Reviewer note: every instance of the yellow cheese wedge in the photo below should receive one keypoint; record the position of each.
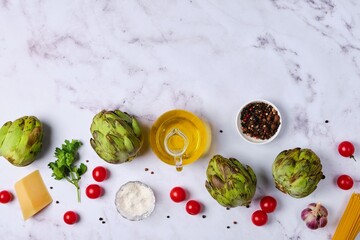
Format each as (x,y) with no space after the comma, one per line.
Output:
(32,194)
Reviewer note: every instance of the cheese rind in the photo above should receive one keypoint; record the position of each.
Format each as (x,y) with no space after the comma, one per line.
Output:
(32,194)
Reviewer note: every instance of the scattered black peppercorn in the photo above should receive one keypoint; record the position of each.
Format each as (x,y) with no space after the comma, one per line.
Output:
(51,187)
(167,216)
(227,227)
(326,121)
(152,172)
(259,120)
(146,169)
(235,222)
(57,202)
(227,208)
(87,161)
(203,216)
(103,222)
(221,131)
(100,219)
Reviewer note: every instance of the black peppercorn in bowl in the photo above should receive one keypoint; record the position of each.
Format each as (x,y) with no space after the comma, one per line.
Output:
(258,121)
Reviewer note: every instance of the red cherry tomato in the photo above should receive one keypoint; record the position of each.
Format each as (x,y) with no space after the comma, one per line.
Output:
(177,194)
(94,191)
(259,218)
(70,217)
(268,204)
(193,207)
(100,174)
(346,149)
(5,196)
(345,182)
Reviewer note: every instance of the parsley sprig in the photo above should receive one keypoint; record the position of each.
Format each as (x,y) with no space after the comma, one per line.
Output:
(64,167)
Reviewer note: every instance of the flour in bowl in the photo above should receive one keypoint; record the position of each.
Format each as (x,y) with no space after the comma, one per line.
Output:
(135,200)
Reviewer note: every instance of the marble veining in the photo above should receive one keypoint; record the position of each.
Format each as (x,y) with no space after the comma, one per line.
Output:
(64,61)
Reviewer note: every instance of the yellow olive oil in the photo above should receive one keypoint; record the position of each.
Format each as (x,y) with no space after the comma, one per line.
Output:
(183,123)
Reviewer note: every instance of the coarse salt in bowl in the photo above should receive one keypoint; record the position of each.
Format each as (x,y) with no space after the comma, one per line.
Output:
(244,117)
(135,201)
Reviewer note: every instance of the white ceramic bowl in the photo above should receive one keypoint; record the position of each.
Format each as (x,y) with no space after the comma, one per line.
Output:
(252,139)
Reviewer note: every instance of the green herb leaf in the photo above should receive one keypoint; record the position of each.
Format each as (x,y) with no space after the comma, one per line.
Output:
(64,166)
(82,169)
(57,173)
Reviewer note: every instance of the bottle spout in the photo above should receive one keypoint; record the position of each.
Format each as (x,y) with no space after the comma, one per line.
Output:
(178,164)
(176,144)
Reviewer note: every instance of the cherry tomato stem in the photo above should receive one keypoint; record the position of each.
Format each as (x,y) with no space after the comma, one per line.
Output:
(347,149)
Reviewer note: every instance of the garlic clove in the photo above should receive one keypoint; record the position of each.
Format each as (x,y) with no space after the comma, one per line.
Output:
(306,214)
(322,222)
(312,225)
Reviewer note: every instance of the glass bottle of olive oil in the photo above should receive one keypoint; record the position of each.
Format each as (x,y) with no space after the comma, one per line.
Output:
(179,137)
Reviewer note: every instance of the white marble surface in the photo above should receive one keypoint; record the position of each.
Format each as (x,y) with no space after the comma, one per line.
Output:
(63,61)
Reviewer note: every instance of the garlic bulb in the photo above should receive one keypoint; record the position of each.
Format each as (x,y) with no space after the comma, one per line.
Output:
(315,216)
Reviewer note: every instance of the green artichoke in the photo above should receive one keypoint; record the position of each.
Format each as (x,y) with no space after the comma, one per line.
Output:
(21,140)
(117,136)
(297,172)
(229,182)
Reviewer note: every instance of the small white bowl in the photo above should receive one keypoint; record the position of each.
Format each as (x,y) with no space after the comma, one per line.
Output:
(252,139)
